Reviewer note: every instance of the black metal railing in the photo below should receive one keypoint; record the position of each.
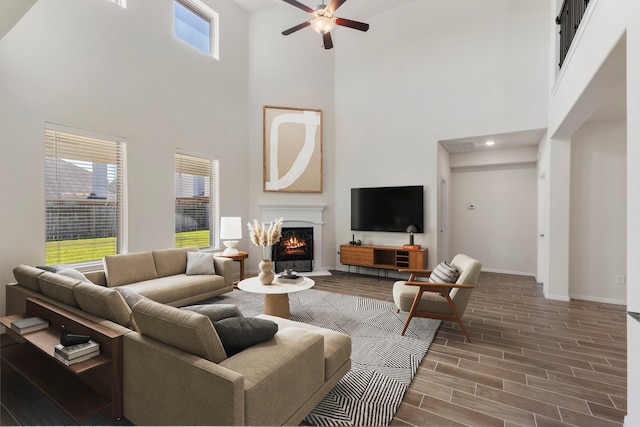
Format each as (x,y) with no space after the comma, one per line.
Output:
(569,21)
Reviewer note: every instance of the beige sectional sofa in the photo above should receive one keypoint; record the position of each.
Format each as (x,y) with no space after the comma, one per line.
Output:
(176,369)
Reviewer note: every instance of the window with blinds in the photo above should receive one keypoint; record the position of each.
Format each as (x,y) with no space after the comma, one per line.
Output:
(85,195)
(196,23)
(195,187)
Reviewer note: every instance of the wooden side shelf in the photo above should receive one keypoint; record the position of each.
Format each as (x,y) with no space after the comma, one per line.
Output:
(80,389)
(384,257)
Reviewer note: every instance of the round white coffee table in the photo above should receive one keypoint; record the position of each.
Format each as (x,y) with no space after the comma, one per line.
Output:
(276,298)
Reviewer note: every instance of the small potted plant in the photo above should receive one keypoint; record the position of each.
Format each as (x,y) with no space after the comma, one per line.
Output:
(264,237)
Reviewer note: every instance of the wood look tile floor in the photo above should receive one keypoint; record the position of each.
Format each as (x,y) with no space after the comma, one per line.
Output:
(532,362)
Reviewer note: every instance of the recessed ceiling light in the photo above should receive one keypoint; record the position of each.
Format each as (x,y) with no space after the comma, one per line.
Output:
(489,143)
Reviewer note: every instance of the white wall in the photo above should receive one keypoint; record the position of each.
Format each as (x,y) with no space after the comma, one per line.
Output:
(418,77)
(92,65)
(501,230)
(291,71)
(598,233)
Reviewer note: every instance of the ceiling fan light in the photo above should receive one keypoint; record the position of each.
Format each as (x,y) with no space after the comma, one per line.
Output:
(322,24)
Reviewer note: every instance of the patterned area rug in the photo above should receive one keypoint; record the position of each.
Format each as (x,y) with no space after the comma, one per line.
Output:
(383,361)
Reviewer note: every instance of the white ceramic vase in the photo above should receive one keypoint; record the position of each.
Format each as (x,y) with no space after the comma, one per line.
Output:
(266,275)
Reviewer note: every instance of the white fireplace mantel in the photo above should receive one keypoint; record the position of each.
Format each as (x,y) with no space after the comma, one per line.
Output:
(300,216)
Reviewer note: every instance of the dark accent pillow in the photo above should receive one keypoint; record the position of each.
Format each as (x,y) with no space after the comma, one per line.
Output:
(444,273)
(238,333)
(50,268)
(215,312)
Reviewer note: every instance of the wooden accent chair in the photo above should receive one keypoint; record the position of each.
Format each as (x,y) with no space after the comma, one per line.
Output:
(444,301)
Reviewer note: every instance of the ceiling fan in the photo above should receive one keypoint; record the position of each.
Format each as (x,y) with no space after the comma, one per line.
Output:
(323,20)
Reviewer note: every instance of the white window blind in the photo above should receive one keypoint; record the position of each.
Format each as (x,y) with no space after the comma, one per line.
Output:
(85,195)
(195,184)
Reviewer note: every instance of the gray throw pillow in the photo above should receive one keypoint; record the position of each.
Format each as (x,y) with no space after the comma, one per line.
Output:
(215,312)
(444,273)
(131,297)
(238,333)
(200,263)
(73,273)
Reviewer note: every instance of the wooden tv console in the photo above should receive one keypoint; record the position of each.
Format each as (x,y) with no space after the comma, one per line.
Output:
(383,257)
(81,389)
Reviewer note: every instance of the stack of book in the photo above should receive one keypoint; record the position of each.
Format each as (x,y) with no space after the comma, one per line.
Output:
(30,324)
(76,353)
(290,279)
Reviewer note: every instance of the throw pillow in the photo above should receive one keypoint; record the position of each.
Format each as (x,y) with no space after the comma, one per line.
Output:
(200,263)
(238,333)
(131,297)
(73,273)
(444,273)
(50,268)
(215,312)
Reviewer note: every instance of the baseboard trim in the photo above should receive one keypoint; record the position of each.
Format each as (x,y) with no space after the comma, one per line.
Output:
(591,298)
(515,273)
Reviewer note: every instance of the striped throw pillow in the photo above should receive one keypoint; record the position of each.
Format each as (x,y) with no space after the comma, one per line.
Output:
(444,273)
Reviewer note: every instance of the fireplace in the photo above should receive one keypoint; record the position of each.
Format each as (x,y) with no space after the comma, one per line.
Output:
(301,216)
(294,250)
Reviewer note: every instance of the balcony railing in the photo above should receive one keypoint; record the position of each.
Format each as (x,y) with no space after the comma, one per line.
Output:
(569,21)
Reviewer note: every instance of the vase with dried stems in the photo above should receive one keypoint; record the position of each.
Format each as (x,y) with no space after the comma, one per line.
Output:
(264,237)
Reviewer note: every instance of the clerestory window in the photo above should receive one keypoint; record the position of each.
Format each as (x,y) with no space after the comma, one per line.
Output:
(196,24)
(85,184)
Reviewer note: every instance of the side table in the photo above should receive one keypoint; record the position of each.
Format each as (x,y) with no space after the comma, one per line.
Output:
(240,257)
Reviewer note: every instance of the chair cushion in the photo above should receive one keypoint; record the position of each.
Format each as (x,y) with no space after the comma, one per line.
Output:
(238,333)
(200,263)
(444,273)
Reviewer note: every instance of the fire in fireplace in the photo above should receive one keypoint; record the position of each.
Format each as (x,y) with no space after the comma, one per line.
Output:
(294,250)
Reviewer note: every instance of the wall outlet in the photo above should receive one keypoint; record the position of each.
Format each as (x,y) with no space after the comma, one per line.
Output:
(620,279)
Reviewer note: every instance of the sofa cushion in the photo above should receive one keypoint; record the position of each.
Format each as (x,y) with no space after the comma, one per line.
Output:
(104,302)
(215,312)
(59,287)
(180,287)
(27,276)
(238,333)
(123,269)
(172,261)
(183,329)
(444,273)
(337,346)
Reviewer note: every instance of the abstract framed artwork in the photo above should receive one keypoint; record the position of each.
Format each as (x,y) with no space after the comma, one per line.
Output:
(292,149)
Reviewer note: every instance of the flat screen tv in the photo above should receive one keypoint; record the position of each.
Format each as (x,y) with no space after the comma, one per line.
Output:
(387,208)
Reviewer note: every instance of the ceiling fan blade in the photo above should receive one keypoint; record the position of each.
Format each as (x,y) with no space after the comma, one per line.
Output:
(296,28)
(299,5)
(352,24)
(334,5)
(326,39)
